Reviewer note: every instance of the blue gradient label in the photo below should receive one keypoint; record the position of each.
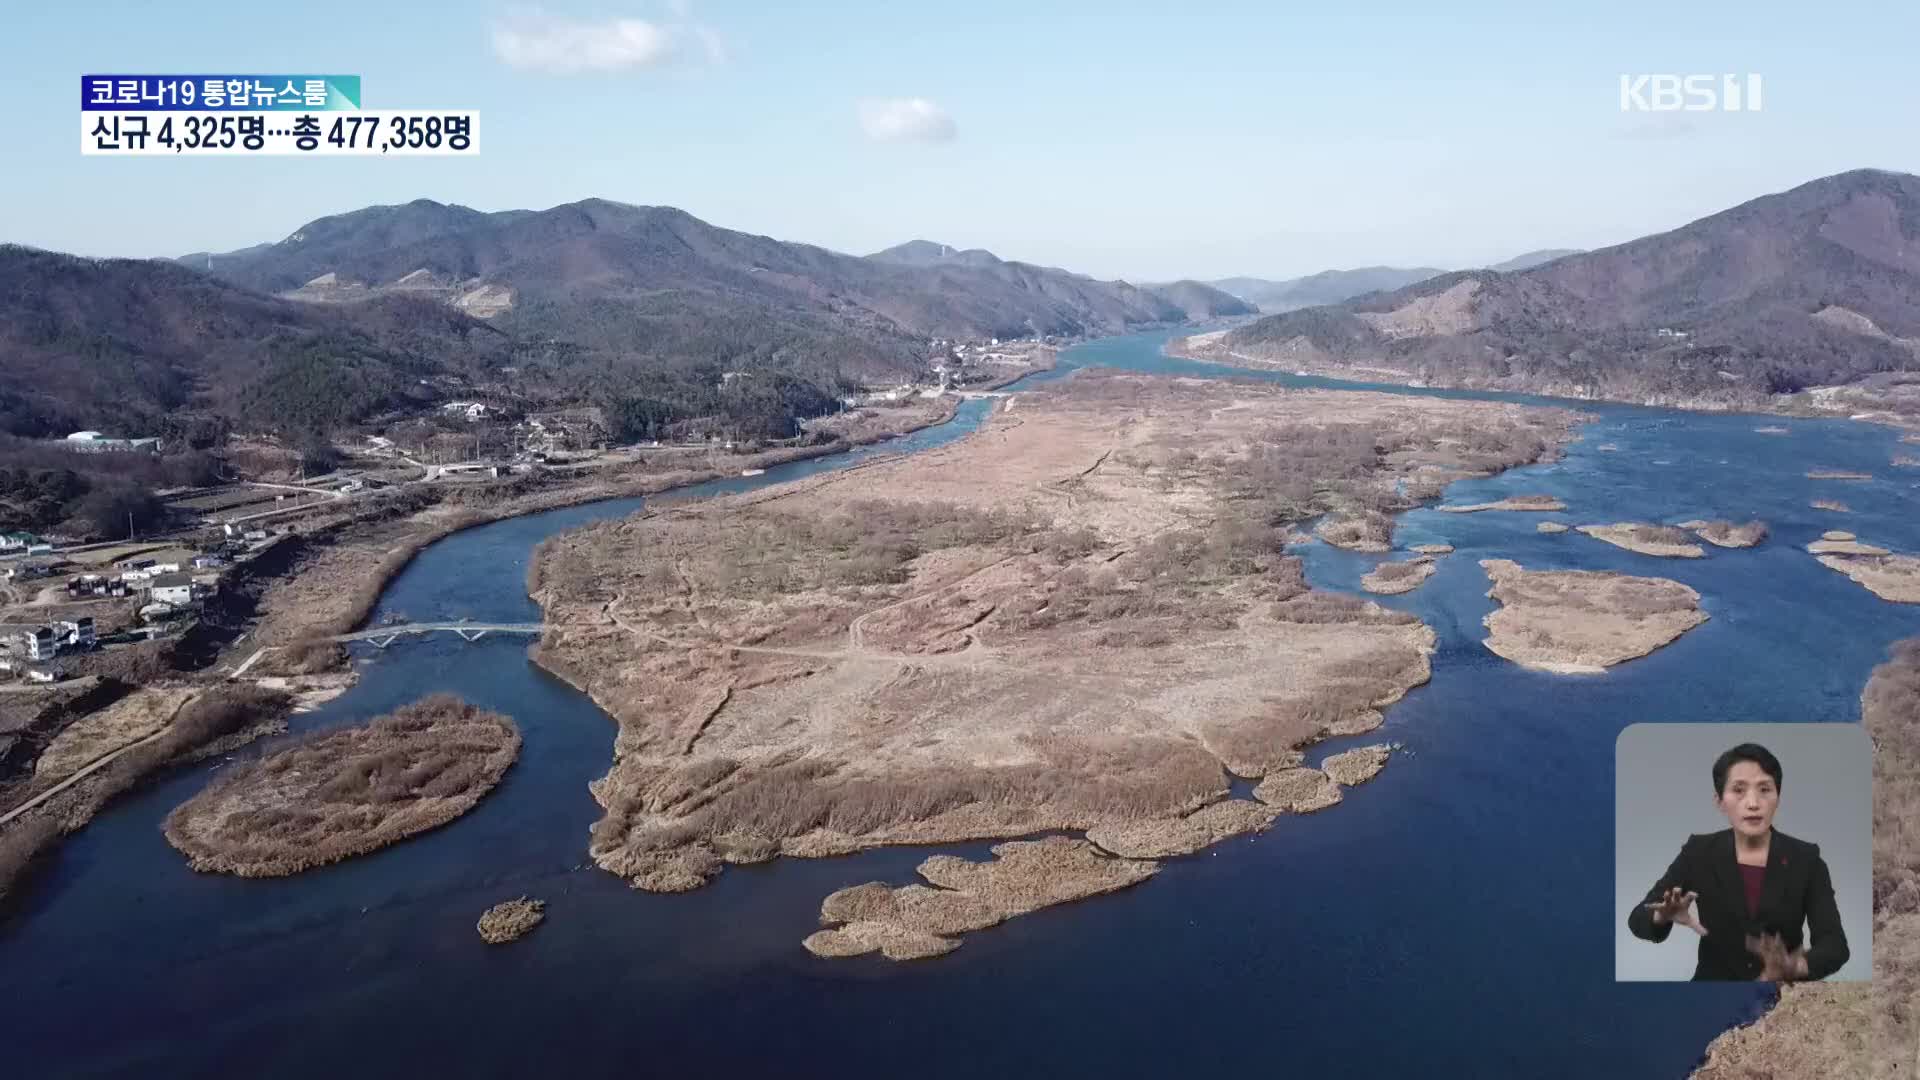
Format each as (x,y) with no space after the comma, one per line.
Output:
(218,93)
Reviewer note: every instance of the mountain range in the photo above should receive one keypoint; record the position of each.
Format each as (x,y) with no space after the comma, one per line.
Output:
(348,317)
(663,279)
(1815,286)
(1333,286)
(380,312)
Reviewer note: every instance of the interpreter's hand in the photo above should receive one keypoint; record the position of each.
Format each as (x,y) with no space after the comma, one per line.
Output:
(1676,907)
(1776,963)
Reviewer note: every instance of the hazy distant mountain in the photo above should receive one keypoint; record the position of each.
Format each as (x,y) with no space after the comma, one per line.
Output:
(928,253)
(1817,285)
(1533,258)
(1193,300)
(1334,286)
(1200,301)
(1326,287)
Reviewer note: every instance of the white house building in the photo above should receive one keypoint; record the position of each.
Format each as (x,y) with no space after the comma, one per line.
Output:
(175,589)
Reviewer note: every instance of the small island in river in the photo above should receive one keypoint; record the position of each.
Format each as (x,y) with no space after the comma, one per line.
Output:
(1726,534)
(1535,503)
(1583,621)
(1662,541)
(1393,578)
(346,792)
(510,920)
(1082,617)
(1887,575)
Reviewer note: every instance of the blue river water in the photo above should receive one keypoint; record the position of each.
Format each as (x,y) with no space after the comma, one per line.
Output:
(1451,918)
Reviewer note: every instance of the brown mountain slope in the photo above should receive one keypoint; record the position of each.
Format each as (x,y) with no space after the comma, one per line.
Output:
(1815,286)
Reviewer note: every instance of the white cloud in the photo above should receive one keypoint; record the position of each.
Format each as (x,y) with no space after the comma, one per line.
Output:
(541,42)
(905,120)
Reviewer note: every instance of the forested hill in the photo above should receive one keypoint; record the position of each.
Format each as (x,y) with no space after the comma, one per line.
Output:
(668,282)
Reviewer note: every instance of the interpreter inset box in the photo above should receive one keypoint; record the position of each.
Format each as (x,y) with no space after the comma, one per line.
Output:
(1743,852)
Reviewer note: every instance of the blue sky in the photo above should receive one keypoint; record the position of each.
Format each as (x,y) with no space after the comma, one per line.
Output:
(1135,140)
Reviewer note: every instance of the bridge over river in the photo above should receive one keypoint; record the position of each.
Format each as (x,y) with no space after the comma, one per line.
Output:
(383,636)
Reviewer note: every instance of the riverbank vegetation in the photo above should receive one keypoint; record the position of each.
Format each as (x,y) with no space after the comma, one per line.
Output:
(346,792)
(67,795)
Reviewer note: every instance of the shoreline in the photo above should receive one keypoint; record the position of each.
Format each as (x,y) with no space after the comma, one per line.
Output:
(1388,376)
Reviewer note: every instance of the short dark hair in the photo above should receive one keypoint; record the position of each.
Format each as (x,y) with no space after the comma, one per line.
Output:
(1746,751)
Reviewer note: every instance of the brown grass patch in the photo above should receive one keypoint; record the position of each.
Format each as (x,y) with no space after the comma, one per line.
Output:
(344,793)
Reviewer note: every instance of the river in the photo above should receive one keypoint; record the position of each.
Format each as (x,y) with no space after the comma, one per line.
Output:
(1451,918)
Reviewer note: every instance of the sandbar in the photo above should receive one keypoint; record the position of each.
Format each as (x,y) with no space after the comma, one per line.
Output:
(1583,621)
(1536,503)
(1887,576)
(1727,534)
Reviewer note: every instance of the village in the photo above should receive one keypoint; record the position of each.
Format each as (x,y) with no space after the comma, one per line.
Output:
(63,604)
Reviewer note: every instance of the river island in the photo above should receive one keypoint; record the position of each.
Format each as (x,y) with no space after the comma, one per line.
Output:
(1083,617)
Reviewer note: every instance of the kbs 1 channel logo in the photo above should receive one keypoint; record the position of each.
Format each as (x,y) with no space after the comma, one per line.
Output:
(1690,93)
(260,114)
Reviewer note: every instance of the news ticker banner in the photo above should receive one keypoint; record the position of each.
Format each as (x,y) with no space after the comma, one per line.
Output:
(259,114)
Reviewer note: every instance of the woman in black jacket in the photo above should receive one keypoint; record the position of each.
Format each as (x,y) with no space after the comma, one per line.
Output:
(1755,887)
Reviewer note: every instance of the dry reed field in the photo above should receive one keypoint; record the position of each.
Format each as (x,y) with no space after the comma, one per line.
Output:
(1817,1031)
(1082,617)
(346,792)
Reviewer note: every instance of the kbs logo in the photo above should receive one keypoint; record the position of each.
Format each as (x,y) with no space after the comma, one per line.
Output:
(1689,93)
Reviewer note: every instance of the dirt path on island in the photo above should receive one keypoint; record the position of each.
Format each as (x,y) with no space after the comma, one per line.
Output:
(80,774)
